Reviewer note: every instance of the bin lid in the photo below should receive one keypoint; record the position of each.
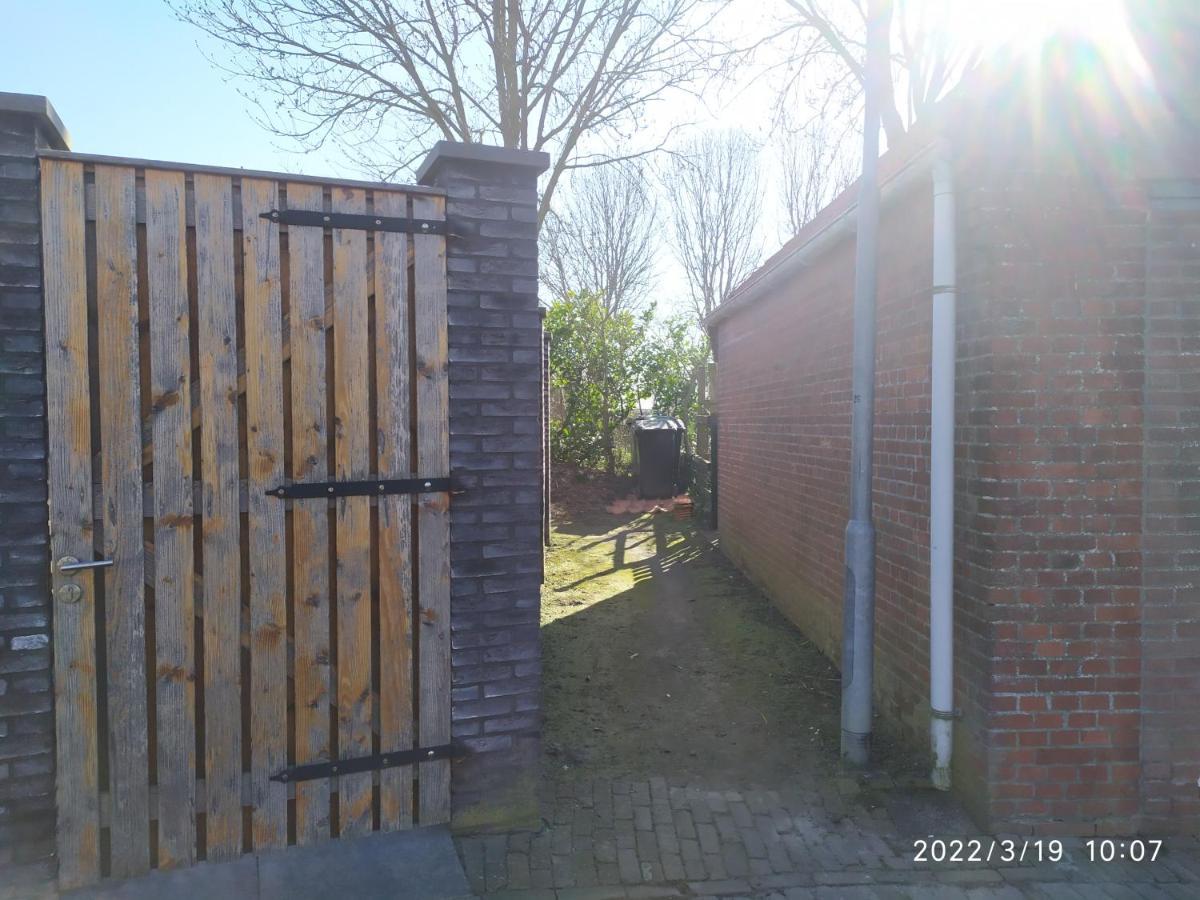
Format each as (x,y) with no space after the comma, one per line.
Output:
(658,423)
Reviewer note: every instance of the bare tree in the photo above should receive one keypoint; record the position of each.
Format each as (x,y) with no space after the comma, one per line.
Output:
(814,168)
(385,77)
(716,204)
(824,45)
(602,238)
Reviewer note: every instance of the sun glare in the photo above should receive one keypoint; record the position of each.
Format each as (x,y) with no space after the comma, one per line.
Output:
(1025,25)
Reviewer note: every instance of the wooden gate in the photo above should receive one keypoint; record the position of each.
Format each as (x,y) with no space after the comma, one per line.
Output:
(247,399)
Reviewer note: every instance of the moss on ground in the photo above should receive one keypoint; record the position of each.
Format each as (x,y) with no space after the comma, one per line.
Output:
(661,657)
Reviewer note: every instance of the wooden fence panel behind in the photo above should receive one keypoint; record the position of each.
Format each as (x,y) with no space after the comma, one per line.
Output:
(174,609)
(219,453)
(261,303)
(205,356)
(310,522)
(352,461)
(121,478)
(394,454)
(68,405)
(433,522)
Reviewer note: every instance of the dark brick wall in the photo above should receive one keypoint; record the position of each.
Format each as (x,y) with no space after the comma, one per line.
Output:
(26,692)
(495,456)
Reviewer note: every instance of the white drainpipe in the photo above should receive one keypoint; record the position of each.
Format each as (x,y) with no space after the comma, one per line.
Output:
(941,477)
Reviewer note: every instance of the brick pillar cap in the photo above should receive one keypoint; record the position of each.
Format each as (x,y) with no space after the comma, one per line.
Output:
(535,162)
(38,107)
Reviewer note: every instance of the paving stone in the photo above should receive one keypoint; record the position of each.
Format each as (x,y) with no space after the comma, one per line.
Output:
(647,845)
(672,867)
(684,826)
(643,820)
(630,868)
(564,875)
(715,865)
(741,814)
(693,869)
(592,893)
(652,892)
(968,876)
(651,836)
(518,870)
(737,863)
(753,842)
(722,888)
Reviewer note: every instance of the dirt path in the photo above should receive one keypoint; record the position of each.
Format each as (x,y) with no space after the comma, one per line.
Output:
(660,657)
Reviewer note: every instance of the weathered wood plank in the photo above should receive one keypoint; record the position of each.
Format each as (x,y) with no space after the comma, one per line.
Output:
(352,460)
(268,554)
(173,511)
(433,515)
(393,440)
(68,405)
(124,595)
(310,522)
(217,335)
(147,426)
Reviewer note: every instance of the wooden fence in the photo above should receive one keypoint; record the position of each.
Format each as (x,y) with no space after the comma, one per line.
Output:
(204,358)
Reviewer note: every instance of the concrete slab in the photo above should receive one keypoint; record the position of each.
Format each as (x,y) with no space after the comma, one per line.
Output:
(413,865)
(409,865)
(236,880)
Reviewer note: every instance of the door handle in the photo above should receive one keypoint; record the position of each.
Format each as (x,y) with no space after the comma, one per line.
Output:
(71,564)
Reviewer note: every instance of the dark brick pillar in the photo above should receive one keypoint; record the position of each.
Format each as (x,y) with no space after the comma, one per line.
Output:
(495,450)
(27,124)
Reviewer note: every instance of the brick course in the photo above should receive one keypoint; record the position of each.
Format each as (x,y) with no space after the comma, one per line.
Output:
(495,344)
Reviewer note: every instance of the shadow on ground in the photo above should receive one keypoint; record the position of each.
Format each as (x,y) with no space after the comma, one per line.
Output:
(660,657)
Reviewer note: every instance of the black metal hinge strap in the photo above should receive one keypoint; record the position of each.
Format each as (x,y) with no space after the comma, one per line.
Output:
(374,487)
(365,763)
(355,221)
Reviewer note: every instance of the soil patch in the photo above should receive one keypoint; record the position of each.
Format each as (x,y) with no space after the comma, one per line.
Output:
(661,657)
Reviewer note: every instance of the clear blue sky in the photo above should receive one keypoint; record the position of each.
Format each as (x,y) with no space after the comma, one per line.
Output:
(127,79)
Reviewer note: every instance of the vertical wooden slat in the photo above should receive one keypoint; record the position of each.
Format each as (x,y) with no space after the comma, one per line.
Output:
(393,438)
(68,406)
(310,523)
(268,584)
(217,335)
(433,519)
(121,455)
(351,458)
(170,404)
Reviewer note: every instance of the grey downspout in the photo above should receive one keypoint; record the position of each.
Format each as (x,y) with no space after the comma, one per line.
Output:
(941,476)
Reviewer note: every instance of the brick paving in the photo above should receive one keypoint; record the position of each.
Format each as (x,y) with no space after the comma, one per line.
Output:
(815,838)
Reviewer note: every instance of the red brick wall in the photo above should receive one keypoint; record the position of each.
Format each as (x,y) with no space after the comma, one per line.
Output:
(1170,761)
(1054,448)
(1066,726)
(783,401)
